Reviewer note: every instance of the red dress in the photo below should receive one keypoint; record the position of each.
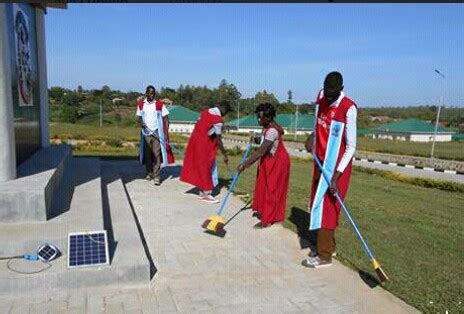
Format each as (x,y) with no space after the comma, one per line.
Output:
(201,153)
(270,196)
(325,116)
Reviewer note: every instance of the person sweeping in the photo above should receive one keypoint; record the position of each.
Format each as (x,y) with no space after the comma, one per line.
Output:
(200,168)
(270,195)
(154,148)
(334,143)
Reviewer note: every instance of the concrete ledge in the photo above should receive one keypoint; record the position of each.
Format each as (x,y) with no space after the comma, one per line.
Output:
(30,197)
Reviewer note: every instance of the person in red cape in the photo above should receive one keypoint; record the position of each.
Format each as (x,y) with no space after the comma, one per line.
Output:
(154,148)
(199,167)
(334,143)
(270,195)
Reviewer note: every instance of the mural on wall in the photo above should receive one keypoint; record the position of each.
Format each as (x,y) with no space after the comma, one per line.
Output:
(23,57)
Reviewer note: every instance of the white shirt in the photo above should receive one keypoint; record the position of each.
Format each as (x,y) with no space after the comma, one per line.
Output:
(217,127)
(149,117)
(350,134)
(272,135)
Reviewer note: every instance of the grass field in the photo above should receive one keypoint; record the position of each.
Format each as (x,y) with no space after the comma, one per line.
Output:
(449,150)
(416,233)
(91,132)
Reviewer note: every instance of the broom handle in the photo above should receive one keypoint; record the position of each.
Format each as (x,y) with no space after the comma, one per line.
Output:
(163,142)
(353,224)
(234,180)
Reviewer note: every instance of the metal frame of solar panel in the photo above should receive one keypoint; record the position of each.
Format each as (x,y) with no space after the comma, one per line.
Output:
(88,249)
(47,252)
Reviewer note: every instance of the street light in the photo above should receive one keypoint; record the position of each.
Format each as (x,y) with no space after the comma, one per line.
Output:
(438,112)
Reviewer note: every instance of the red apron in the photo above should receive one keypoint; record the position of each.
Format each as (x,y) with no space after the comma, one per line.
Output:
(270,196)
(201,153)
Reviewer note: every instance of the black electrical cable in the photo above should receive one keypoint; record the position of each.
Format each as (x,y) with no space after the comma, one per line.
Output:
(25,273)
(11,257)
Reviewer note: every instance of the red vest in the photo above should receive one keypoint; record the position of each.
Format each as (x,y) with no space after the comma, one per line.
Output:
(324,118)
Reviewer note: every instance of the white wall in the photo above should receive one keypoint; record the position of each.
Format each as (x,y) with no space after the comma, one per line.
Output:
(429,138)
(181,127)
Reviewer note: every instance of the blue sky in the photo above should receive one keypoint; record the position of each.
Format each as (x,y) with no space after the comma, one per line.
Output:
(387,53)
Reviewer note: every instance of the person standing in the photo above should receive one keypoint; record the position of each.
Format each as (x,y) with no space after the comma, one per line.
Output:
(334,143)
(271,187)
(154,135)
(200,168)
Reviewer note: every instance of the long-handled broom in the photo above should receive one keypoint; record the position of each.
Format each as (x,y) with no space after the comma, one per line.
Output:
(215,224)
(380,273)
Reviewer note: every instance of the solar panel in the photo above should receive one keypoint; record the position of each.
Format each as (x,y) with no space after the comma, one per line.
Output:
(47,252)
(87,249)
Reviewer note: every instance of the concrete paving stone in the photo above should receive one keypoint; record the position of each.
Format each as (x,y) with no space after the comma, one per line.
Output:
(77,299)
(76,310)
(95,304)
(133,311)
(20,309)
(130,300)
(114,308)
(5,308)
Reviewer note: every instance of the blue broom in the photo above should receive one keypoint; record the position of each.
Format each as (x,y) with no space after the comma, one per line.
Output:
(379,271)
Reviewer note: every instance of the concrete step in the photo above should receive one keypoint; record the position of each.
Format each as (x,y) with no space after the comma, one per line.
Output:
(80,201)
(99,202)
(29,198)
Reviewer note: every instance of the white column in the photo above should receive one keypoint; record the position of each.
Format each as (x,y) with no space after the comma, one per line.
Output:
(42,75)
(7,138)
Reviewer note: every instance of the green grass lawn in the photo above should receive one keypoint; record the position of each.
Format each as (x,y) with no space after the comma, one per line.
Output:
(448,150)
(416,233)
(92,132)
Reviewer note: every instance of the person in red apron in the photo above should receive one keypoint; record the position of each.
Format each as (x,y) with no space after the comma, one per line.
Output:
(154,147)
(271,187)
(200,167)
(334,143)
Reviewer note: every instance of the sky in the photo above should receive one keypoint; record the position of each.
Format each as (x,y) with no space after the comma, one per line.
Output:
(387,53)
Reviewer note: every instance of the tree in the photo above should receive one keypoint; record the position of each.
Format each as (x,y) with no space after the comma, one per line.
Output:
(106,89)
(290,97)
(80,89)
(264,96)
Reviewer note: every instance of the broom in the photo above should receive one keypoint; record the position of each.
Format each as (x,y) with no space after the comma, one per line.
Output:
(215,224)
(379,271)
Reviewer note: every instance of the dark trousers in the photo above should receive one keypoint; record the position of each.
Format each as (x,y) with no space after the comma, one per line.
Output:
(153,156)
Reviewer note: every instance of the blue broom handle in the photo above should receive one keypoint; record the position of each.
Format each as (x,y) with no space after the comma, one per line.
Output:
(161,140)
(353,224)
(234,180)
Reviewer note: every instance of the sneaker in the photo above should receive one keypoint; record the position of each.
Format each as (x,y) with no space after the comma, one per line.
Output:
(209,199)
(315,263)
(156,181)
(313,254)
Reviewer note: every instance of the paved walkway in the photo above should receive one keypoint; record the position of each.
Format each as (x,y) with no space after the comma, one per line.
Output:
(248,271)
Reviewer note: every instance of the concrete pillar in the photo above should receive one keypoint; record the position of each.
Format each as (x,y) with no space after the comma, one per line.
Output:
(7,137)
(42,75)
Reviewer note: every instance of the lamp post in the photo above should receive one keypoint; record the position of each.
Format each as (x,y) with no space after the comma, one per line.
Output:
(438,112)
(238,116)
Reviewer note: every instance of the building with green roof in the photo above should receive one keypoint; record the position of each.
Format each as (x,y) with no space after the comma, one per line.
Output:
(412,130)
(181,119)
(304,123)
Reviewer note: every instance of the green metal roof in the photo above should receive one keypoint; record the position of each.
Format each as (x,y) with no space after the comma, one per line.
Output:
(181,114)
(411,126)
(287,120)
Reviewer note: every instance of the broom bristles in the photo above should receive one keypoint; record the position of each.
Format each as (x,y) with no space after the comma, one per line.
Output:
(205,224)
(382,275)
